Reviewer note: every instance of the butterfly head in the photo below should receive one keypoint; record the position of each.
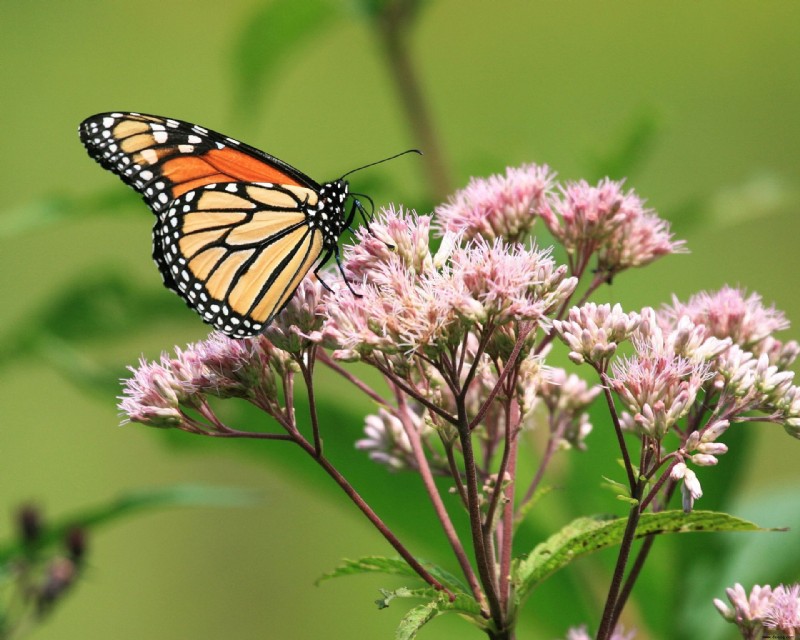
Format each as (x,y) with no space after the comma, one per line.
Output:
(330,215)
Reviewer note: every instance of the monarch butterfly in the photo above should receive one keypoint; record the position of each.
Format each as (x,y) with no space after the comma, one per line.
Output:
(237,229)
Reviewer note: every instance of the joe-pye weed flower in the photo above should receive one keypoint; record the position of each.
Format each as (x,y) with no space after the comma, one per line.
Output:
(466,341)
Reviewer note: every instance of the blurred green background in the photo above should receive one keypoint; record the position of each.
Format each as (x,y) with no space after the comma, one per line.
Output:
(696,103)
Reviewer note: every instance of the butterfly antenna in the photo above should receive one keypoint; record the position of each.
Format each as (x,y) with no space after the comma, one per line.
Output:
(372,164)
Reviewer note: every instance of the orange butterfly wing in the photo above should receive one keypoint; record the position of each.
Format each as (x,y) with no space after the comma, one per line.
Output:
(237,229)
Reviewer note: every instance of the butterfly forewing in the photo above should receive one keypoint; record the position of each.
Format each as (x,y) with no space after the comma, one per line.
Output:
(237,229)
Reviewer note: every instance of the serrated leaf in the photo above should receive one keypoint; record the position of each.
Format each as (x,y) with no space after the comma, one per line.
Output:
(394,567)
(369,564)
(93,517)
(585,535)
(402,592)
(416,618)
(270,37)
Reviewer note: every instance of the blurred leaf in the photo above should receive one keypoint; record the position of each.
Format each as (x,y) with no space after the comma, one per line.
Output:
(53,210)
(585,535)
(623,157)
(90,519)
(761,195)
(104,304)
(393,567)
(274,33)
(541,491)
(372,9)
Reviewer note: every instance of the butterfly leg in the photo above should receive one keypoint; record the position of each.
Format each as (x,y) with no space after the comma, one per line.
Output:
(368,219)
(325,258)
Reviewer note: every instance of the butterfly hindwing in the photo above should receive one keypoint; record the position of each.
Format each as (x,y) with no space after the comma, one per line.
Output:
(237,251)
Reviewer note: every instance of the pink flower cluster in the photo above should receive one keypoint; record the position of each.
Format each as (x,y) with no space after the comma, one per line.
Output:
(764,612)
(501,206)
(603,220)
(171,392)
(409,300)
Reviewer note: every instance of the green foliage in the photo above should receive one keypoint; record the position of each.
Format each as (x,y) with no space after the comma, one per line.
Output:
(392,567)
(103,305)
(127,504)
(44,561)
(630,150)
(585,535)
(55,210)
(271,35)
(438,602)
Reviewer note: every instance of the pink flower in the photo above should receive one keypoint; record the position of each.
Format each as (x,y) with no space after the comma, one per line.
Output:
(606,221)
(584,215)
(501,206)
(498,282)
(658,390)
(764,612)
(784,611)
(387,442)
(729,313)
(153,395)
(158,392)
(397,237)
(298,325)
(592,332)
(746,609)
(690,489)
(567,397)
(643,238)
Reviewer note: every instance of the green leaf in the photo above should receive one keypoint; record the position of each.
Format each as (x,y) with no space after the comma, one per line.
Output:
(104,304)
(419,616)
(271,36)
(585,535)
(632,148)
(415,619)
(402,592)
(393,567)
(91,518)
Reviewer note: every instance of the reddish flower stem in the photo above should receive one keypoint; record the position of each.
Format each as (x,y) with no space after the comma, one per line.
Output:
(373,517)
(507,538)
(618,429)
(360,384)
(524,329)
(441,512)
(473,504)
